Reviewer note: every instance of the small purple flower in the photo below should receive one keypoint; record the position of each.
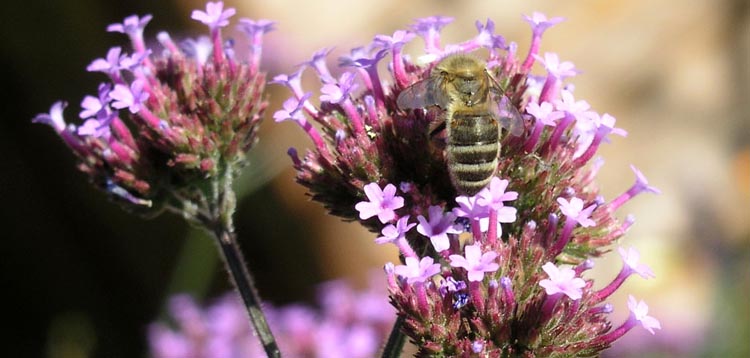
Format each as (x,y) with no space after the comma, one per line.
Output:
(450,285)
(200,49)
(254,27)
(96,106)
(110,64)
(438,227)
(468,207)
(293,81)
(292,109)
(560,70)
(574,210)
(477,346)
(336,93)
(393,233)
(494,196)
(562,281)
(417,270)
(544,113)
(398,40)
(381,203)
(539,22)
(54,118)
(215,16)
(631,258)
(640,185)
(132,25)
(129,97)
(486,37)
(369,62)
(475,262)
(429,29)
(639,310)
(567,103)
(95,128)
(318,63)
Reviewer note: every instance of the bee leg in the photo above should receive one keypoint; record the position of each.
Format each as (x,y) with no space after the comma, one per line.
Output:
(438,135)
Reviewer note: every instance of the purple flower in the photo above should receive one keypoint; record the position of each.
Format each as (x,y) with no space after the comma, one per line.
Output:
(562,281)
(292,109)
(398,40)
(640,185)
(370,62)
(486,37)
(450,285)
(475,262)
(96,106)
(560,70)
(417,270)
(215,16)
(631,258)
(95,128)
(574,210)
(129,97)
(393,233)
(199,49)
(381,203)
(468,207)
(567,103)
(494,195)
(254,27)
(438,227)
(54,118)
(132,25)
(318,63)
(429,29)
(539,22)
(336,93)
(544,113)
(293,81)
(109,65)
(639,310)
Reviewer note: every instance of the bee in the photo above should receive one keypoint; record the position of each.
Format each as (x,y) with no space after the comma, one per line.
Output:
(462,87)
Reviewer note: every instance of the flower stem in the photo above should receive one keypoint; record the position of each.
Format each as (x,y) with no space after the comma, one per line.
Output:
(221,226)
(396,340)
(245,285)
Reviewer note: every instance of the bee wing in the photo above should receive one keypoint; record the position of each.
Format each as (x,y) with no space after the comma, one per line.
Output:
(422,94)
(509,116)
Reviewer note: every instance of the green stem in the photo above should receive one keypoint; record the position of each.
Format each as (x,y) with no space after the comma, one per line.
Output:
(396,340)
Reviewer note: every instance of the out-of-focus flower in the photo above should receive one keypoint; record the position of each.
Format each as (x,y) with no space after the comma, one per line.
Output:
(348,323)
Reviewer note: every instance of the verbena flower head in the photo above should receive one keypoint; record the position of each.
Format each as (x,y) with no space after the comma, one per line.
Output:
(168,119)
(543,207)
(348,323)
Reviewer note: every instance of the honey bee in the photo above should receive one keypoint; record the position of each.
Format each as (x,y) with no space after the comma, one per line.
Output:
(462,86)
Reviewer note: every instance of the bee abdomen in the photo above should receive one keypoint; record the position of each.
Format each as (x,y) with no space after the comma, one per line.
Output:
(472,151)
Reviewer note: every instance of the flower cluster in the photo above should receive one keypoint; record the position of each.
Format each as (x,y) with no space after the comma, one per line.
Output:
(483,274)
(169,119)
(349,324)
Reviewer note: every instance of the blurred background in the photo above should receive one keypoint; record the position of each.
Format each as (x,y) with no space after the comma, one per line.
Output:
(82,278)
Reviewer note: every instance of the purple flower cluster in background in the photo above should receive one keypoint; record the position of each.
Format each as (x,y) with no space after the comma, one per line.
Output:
(168,117)
(348,324)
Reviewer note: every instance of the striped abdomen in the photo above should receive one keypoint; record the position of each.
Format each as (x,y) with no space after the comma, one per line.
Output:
(472,148)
